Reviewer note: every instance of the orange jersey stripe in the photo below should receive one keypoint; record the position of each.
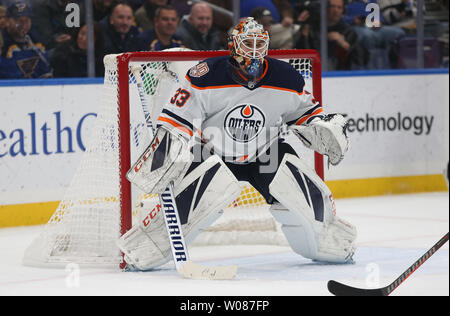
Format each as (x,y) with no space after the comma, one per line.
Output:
(303,119)
(213,87)
(282,89)
(177,125)
(230,85)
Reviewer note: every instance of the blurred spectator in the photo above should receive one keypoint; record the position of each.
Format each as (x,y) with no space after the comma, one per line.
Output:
(3,24)
(377,37)
(263,16)
(248,5)
(119,33)
(49,21)
(222,21)
(281,37)
(163,35)
(196,30)
(22,56)
(135,4)
(344,49)
(146,13)
(183,7)
(286,12)
(281,10)
(101,8)
(70,58)
(396,11)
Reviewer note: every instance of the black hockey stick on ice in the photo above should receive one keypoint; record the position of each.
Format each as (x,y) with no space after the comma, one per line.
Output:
(183,264)
(340,289)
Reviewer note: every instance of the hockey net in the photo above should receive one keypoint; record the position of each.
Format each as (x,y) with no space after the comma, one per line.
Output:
(100,204)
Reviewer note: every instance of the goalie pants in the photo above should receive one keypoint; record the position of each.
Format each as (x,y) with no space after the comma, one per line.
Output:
(259,173)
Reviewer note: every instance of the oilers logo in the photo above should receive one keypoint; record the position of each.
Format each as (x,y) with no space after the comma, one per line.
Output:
(244,122)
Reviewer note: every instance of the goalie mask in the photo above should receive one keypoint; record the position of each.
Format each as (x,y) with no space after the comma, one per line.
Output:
(248,44)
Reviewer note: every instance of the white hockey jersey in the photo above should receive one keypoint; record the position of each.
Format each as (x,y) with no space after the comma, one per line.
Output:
(236,121)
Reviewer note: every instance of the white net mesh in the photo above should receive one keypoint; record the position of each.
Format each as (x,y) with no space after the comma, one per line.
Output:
(88,220)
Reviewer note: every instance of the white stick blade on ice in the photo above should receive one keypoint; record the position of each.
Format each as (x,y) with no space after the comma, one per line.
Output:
(192,270)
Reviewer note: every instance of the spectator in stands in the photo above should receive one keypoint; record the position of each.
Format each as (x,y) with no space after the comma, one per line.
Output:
(49,21)
(307,15)
(221,21)
(119,33)
(23,55)
(286,12)
(146,13)
(183,7)
(247,6)
(162,36)
(135,4)
(196,30)
(374,37)
(396,11)
(263,16)
(281,37)
(70,58)
(281,10)
(101,8)
(344,50)
(222,15)
(3,24)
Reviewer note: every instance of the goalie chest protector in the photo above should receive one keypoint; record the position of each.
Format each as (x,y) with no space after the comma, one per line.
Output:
(237,121)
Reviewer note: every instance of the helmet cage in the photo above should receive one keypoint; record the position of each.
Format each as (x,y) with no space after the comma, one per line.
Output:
(252,46)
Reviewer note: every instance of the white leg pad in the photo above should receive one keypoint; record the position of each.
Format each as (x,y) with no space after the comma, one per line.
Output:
(147,246)
(307,214)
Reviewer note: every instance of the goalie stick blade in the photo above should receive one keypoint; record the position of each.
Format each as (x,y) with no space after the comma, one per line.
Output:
(192,270)
(340,289)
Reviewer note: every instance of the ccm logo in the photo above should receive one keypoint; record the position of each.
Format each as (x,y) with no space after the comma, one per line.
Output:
(333,205)
(147,154)
(151,215)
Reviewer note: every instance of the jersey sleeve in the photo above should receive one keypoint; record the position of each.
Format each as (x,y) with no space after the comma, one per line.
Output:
(183,111)
(302,107)
(308,109)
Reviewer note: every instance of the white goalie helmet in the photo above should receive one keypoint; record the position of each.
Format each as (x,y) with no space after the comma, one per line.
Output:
(249,44)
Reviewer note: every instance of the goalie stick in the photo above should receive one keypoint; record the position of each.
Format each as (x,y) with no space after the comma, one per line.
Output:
(183,264)
(340,289)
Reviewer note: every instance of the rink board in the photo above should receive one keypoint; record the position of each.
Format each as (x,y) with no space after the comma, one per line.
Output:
(398,132)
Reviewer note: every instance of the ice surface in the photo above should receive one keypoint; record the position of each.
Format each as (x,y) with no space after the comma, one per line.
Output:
(393,232)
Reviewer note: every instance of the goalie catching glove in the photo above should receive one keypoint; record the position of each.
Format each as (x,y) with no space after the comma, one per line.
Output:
(327,136)
(166,160)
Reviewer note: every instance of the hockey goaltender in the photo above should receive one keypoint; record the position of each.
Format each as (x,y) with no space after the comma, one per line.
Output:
(227,122)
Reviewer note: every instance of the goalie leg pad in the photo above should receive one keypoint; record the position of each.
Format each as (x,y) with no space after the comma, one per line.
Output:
(200,196)
(306,212)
